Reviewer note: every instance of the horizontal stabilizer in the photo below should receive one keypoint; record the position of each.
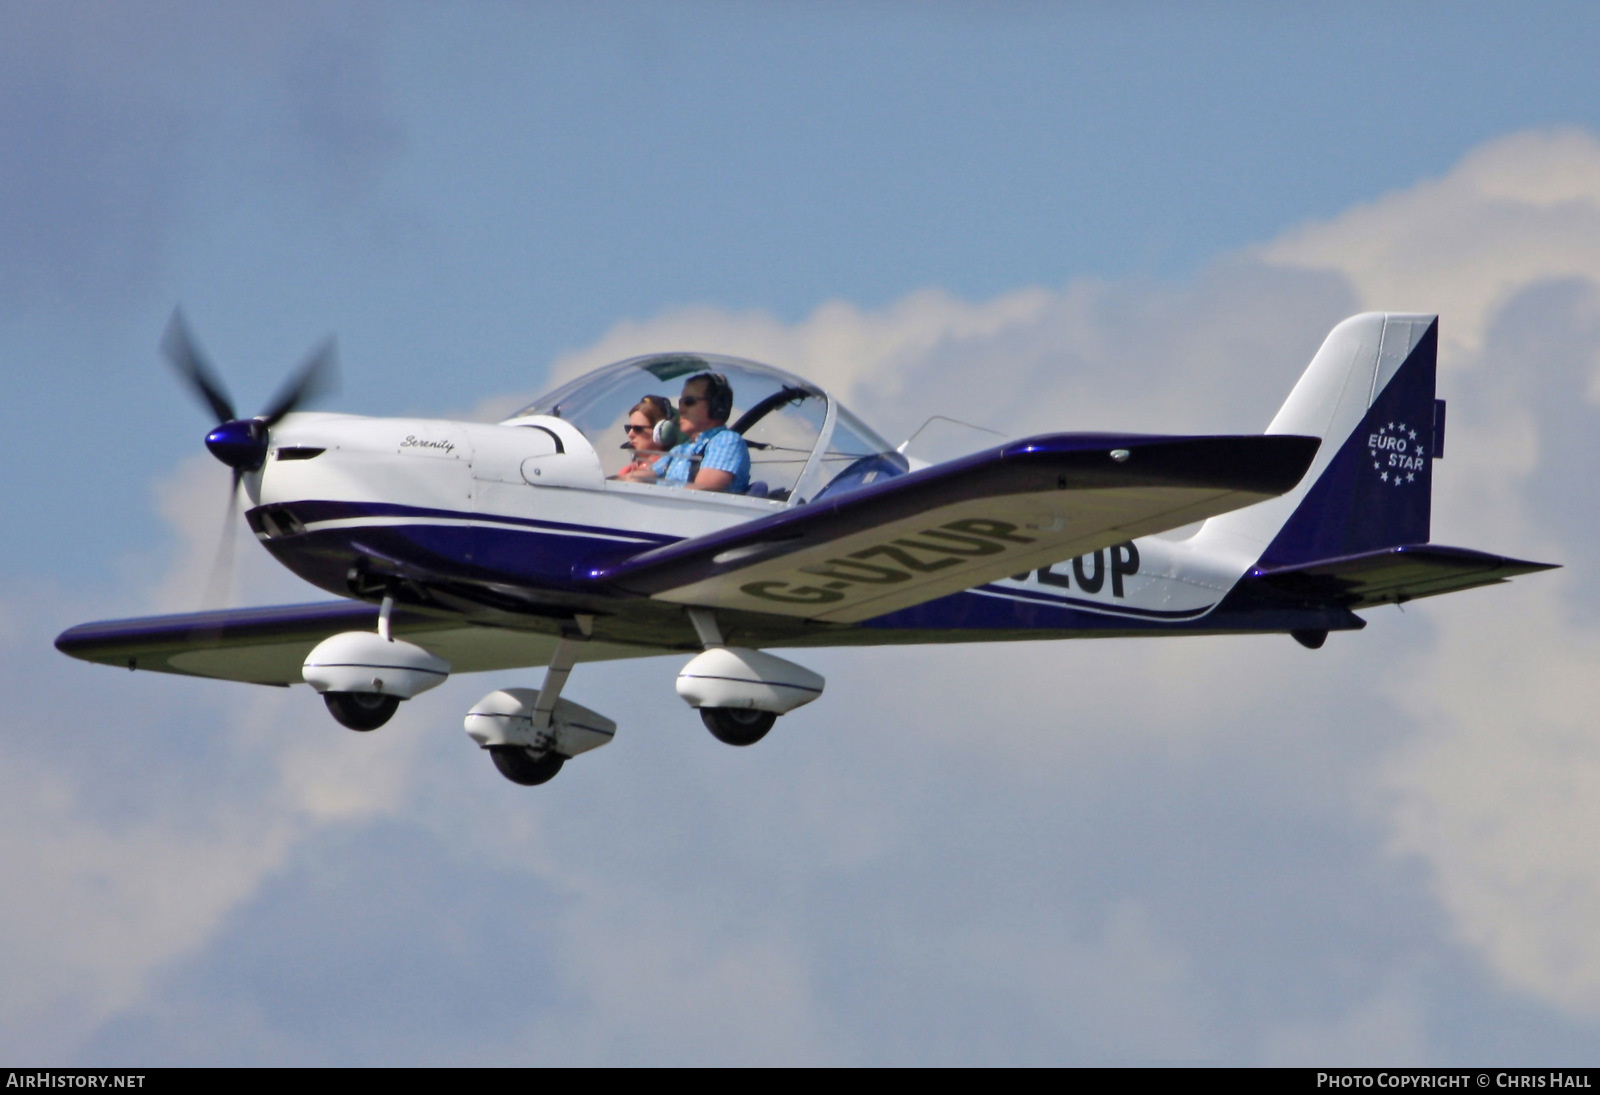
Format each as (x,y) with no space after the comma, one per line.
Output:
(1393,575)
(953,526)
(268,645)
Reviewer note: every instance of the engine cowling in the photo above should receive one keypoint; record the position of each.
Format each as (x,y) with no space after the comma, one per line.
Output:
(361,661)
(505,717)
(745,679)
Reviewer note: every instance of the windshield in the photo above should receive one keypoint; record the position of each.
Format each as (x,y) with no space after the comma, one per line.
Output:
(781,417)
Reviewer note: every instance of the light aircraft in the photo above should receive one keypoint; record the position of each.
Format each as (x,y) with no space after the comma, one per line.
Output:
(463,547)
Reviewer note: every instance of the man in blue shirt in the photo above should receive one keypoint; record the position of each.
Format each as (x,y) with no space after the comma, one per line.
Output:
(714,457)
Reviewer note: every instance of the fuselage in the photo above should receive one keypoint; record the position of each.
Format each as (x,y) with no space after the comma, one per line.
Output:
(494,521)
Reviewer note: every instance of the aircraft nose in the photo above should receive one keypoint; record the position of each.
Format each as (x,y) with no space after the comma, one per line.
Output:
(240,444)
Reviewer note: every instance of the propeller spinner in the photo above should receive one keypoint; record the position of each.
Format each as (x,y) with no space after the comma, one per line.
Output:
(241,443)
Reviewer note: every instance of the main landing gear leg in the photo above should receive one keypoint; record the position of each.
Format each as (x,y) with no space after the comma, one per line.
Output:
(705,626)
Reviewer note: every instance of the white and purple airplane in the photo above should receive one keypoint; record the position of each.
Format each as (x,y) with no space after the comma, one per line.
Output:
(461,547)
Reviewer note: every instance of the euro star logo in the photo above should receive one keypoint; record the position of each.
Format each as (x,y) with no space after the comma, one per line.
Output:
(1397,453)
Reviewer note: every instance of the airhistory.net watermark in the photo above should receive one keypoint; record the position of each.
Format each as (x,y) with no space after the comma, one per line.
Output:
(50,1079)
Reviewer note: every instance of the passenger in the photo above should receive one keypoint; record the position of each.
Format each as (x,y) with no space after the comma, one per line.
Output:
(713,457)
(652,429)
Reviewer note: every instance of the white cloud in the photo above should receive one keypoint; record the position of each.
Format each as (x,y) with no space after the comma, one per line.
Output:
(1497,793)
(123,854)
(1221,352)
(1500,793)
(92,910)
(1518,210)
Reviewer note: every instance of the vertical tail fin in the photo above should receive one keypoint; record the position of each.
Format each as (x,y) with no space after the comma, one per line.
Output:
(1369,394)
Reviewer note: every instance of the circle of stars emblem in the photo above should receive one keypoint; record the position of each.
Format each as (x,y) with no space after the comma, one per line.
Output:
(1381,447)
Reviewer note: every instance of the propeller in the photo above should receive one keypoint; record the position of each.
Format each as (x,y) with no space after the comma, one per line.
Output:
(241,443)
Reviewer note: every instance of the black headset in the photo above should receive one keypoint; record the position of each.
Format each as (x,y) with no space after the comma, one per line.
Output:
(719,394)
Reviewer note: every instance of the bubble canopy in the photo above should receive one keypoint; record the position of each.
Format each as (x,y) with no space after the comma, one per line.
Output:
(803,442)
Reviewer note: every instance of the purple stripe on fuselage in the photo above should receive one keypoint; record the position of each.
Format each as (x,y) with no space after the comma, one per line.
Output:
(535,560)
(316,511)
(449,544)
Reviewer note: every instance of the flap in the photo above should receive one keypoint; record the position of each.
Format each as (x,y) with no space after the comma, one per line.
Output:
(957,525)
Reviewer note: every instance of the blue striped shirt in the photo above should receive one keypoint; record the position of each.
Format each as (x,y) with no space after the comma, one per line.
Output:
(718,448)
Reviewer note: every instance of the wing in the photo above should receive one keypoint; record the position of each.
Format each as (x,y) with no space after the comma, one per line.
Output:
(960,524)
(268,645)
(1394,575)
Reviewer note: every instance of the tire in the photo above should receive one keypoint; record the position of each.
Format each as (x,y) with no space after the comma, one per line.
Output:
(361,711)
(517,766)
(737,725)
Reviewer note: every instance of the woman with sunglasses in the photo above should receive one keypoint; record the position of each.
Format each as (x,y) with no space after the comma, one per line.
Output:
(645,435)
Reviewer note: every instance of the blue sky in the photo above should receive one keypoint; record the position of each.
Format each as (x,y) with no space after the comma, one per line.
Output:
(1032,215)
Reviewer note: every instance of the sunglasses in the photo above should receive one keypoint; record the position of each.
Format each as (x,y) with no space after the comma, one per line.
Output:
(690,400)
(631,430)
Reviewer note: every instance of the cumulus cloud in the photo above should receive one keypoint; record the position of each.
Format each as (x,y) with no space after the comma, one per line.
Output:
(1145,850)
(1088,356)
(123,858)
(1496,793)
(138,814)
(1521,209)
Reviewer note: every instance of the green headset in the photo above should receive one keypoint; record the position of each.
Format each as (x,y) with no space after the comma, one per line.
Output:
(666,433)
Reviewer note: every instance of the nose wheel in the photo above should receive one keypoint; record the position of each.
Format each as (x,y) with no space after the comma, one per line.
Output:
(737,726)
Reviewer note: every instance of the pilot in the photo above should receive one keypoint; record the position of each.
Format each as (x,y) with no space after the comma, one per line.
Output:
(652,429)
(713,457)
